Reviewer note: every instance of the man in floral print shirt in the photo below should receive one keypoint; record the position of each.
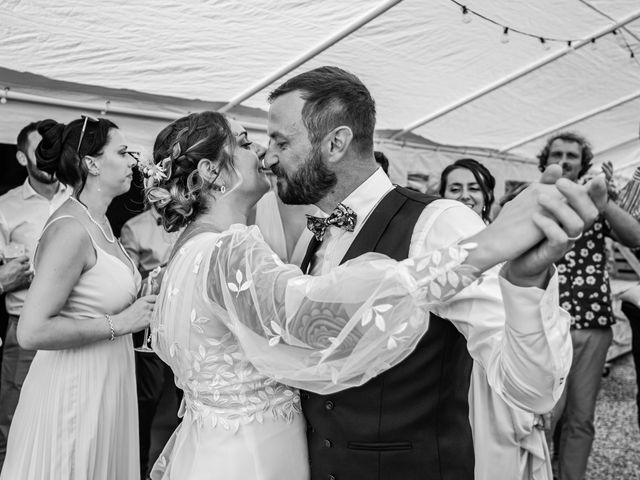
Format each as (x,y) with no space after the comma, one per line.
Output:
(586,295)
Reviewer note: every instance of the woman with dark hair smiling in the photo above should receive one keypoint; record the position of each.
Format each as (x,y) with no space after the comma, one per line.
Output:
(471,183)
(77,416)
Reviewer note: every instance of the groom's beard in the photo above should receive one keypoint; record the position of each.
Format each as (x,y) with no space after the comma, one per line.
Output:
(38,175)
(309,184)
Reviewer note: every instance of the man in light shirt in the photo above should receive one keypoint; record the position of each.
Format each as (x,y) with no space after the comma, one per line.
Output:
(413,421)
(149,246)
(23,213)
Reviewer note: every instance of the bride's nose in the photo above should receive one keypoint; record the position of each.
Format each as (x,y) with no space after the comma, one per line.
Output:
(259,149)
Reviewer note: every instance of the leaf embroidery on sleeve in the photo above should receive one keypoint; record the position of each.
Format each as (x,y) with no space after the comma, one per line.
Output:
(273,341)
(376,314)
(240,286)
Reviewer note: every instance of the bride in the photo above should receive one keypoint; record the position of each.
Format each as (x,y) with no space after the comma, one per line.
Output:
(242,331)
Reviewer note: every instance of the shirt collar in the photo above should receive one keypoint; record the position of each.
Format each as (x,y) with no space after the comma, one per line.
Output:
(367,196)
(28,191)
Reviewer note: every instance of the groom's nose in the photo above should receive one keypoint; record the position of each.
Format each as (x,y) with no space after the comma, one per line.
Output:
(270,158)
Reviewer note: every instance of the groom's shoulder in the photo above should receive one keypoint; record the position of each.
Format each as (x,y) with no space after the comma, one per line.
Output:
(416,196)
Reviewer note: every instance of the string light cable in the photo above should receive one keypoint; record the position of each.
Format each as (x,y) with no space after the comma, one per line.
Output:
(545,42)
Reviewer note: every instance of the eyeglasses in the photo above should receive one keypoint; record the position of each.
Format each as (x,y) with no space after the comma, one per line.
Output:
(135,155)
(84,126)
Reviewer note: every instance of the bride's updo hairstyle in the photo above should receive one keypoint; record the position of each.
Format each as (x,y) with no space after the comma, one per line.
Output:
(183,194)
(60,151)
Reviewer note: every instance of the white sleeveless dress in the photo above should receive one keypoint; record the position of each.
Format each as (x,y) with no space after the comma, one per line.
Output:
(77,415)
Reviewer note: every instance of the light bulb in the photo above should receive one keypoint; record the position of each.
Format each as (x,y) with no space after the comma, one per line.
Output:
(545,45)
(620,40)
(105,110)
(466,16)
(505,35)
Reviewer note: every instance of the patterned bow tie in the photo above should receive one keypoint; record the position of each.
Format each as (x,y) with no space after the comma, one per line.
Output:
(342,217)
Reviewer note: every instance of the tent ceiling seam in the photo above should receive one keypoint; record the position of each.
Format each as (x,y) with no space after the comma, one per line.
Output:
(311,53)
(514,76)
(579,118)
(616,145)
(609,17)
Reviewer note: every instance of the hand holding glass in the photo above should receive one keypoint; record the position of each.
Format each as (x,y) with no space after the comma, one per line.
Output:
(149,287)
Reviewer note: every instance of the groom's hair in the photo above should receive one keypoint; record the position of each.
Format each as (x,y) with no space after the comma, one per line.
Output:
(334,97)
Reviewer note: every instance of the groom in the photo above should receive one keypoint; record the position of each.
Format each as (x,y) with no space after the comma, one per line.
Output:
(411,422)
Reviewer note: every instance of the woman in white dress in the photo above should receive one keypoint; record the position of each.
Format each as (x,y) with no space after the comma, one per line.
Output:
(77,415)
(233,321)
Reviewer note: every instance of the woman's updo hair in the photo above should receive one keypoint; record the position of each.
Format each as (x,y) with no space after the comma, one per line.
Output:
(178,149)
(58,152)
(486,182)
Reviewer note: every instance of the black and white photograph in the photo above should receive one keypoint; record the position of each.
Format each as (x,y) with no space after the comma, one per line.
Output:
(330,240)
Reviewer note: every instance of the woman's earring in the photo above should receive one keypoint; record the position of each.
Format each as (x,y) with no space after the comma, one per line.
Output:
(219,188)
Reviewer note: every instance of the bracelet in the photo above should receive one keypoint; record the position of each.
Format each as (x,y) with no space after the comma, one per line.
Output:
(113,332)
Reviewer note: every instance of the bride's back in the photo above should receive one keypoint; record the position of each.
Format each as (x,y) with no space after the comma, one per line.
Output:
(221,386)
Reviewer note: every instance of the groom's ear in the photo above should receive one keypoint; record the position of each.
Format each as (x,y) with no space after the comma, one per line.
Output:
(338,142)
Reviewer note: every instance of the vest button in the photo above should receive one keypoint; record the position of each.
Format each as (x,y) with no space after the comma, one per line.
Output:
(329,405)
(327,443)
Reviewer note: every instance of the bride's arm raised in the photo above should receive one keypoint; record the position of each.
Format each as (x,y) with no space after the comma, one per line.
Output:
(335,331)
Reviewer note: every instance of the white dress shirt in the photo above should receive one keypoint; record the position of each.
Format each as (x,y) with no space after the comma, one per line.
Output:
(518,337)
(23,214)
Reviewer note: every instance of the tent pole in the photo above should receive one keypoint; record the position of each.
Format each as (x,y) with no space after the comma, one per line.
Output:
(573,120)
(462,151)
(600,12)
(321,47)
(617,145)
(514,76)
(12,95)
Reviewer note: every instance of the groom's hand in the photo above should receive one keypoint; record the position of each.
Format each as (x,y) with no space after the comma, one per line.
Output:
(560,220)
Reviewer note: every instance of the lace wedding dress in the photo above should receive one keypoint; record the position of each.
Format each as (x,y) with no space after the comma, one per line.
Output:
(242,331)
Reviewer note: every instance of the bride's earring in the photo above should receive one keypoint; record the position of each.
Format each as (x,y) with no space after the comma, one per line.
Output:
(219,188)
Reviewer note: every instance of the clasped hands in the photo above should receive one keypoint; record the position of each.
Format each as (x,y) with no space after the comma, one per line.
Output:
(538,227)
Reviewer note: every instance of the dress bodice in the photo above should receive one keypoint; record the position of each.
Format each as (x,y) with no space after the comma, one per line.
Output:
(221,386)
(108,287)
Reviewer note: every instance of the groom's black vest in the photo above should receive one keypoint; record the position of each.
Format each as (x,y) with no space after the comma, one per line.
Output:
(411,422)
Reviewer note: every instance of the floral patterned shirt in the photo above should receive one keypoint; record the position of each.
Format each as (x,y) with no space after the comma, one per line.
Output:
(584,280)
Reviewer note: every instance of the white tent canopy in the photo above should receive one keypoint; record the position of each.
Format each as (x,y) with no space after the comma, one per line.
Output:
(432,75)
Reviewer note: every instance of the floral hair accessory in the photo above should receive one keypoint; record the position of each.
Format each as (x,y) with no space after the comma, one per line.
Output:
(150,170)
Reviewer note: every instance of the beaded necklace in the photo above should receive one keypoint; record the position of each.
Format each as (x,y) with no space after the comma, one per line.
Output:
(104,234)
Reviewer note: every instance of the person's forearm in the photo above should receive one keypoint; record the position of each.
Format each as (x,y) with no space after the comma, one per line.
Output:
(489,253)
(536,348)
(58,333)
(623,225)
(8,285)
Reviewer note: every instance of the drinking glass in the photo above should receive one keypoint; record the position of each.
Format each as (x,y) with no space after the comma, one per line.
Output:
(149,287)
